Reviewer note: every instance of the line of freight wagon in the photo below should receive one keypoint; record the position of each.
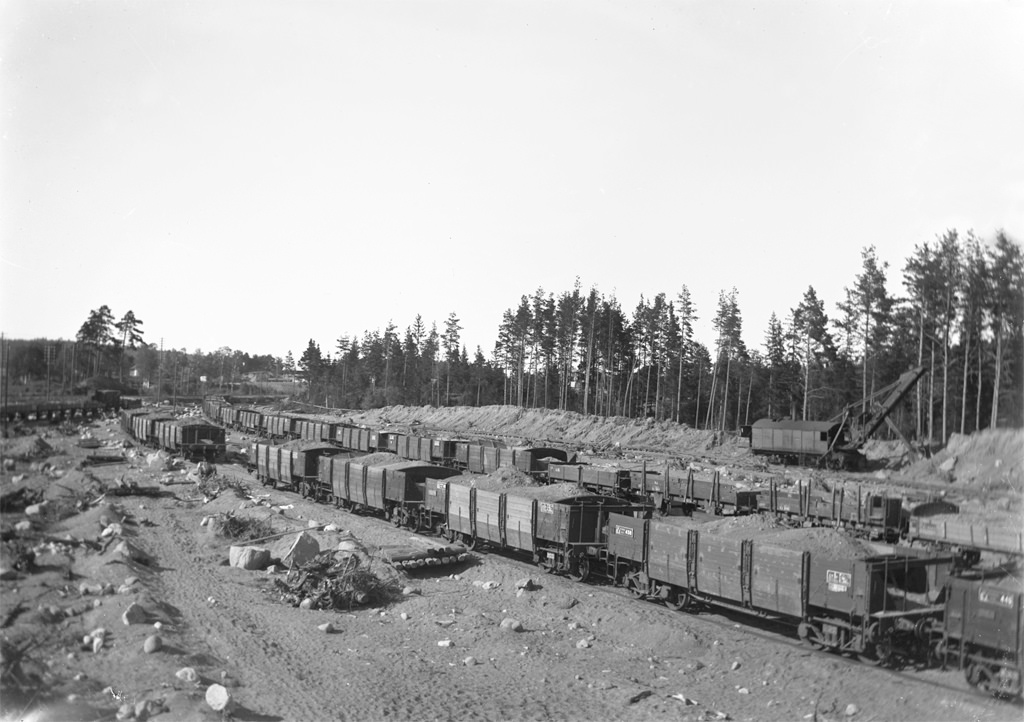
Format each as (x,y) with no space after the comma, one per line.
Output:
(874,515)
(910,605)
(887,609)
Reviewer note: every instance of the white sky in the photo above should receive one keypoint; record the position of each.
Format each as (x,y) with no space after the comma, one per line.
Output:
(254,174)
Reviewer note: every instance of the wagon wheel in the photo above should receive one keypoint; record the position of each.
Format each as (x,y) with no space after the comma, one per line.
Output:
(469,541)
(546,563)
(809,635)
(414,522)
(580,570)
(677,599)
(635,587)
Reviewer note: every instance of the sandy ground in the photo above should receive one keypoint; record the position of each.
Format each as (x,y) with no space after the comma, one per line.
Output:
(586,652)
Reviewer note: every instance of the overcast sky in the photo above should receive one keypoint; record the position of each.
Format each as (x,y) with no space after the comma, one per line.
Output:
(255,174)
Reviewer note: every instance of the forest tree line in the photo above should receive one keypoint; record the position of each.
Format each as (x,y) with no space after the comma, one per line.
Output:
(960,315)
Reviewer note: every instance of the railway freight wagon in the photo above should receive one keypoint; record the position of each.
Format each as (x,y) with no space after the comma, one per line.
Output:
(873,606)
(143,426)
(982,631)
(603,480)
(689,491)
(292,465)
(560,534)
(314,429)
(249,420)
(876,515)
(965,536)
(395,490)
(192,438)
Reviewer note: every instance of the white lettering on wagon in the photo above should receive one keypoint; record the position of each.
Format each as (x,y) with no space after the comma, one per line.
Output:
(838,581)
(623,530)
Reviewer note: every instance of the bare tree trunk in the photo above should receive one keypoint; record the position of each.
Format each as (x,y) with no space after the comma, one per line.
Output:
(746,416)
(931,397)
(977,401)
(920,361)
(725,393)
(963,393)
(807,373)
(696,415)
(998,374)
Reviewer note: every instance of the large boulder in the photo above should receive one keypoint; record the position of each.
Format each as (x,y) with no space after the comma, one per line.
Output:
(249,557)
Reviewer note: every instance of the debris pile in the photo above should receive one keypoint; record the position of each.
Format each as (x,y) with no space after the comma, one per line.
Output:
(335,580)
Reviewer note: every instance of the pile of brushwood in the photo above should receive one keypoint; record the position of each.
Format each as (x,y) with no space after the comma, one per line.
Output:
(335,580)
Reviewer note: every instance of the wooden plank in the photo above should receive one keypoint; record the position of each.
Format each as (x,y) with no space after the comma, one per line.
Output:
(488,518)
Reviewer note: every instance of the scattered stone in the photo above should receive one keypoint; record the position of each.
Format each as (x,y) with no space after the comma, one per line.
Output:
(743,690)
(332,527)
(409,591)
(945,466)
(326,628)
(187,674)
(445,643)
(306,603)
(205,521)
(125,711)
(735,666)
(404,616)
(526,583)
(583,644)
(573,626)
(158,625)
(152,644)
(852,709)
(489,585)
(135,614)
(132,552)
(248,557)
(511,624)
(23,525)
(470,662)
(449,622)
(312,524)
(218,698)
(296,552)
(275,569)
(35,509)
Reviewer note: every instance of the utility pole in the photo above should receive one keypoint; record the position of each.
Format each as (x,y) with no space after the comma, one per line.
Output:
(160,373)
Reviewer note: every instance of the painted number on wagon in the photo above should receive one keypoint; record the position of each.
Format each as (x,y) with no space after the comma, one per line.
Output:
(623,530)
(838,581)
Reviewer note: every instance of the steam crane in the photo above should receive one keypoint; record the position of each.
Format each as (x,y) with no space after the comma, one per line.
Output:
(861,419)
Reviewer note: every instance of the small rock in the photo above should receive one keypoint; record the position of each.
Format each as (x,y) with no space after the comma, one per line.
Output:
(311,524)
(583,644)
(142,710)
(35,509)
(326,628)
(135,614)
(125,711)
(332,527)
(851,709)
(404,616)
(152,644)
(511,624)
(470,661)
(23,525)
(445,643)
(409,591)
(489,585)
(97,644)
(205,521)
(218,698)
(187,674)
(158,625)
(946,466)
(306,603)
(743,690)
(526,583)
(573,626)
(735,666)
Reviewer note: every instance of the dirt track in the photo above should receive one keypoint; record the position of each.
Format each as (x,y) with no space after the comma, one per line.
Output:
(279,666)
